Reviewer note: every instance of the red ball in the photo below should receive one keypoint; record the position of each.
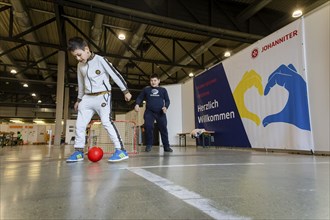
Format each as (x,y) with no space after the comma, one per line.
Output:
(95,154)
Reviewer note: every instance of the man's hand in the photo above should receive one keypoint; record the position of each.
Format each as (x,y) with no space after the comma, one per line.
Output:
(128,96)
(137,108)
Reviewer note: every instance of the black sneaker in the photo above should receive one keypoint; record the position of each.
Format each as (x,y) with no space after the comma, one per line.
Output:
(148,149)
(168,149)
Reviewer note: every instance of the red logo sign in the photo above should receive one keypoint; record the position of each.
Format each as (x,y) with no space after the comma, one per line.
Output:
(254,53)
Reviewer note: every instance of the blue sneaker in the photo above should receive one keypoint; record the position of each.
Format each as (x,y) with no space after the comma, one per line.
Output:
(118,155)
(75,157)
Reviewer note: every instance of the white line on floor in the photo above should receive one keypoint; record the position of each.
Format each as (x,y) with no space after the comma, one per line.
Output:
(220,164)
(192,198)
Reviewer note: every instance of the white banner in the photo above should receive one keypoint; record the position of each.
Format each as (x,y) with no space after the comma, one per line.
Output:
(269,84)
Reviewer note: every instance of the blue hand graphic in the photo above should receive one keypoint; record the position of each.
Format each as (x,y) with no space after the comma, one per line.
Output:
(296,109)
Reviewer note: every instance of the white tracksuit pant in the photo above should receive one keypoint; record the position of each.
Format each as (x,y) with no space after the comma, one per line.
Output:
(100,104)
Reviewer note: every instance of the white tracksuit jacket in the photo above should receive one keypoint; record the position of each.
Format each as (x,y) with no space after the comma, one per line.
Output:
(94,76)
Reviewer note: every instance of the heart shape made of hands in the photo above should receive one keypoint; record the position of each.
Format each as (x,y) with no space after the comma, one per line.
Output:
(295,110)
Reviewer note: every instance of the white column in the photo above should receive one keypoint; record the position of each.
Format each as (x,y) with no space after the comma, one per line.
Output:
(59,96)
(66,107)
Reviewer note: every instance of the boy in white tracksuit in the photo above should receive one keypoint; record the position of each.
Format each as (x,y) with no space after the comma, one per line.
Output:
(94,96)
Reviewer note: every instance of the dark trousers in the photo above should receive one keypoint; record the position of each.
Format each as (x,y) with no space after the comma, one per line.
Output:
(149,118)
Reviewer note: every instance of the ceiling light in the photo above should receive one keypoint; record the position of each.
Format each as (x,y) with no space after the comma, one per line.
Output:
(25,85)
(121,37)
(13,71)
(297,13)
(39,101)
(38,121)
(33,94)
(191,74)
(16,121)
(227,54)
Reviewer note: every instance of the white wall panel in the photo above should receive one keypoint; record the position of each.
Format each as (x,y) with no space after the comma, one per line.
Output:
(188,115)
(174,113)
(317,57)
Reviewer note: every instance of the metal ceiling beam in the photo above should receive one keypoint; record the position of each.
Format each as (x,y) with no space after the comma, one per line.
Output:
(24,23)
(158,49)
(8,60)
(105,8)
(60,24)
(34,28)
(190,12)
(36,63)
(214,55)
(96,29)
(183,39)
(27,80)
(92,43)
(128,47)
(27,104)
(215,61)
(11,22)
(195,52)
(108,55)
(24,64)
(230,17)
(252,9)
(27,91)
(28,42)
(199,50)
(190,55)
(134,43)
(2,53)
(4,8)
(9,79)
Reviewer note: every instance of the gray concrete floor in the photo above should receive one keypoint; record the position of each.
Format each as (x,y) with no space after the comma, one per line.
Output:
(190,183)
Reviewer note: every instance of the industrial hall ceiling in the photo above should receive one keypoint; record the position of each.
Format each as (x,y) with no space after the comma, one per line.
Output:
(172,38)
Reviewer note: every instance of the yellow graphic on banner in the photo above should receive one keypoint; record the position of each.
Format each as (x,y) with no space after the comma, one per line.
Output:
(249,79)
